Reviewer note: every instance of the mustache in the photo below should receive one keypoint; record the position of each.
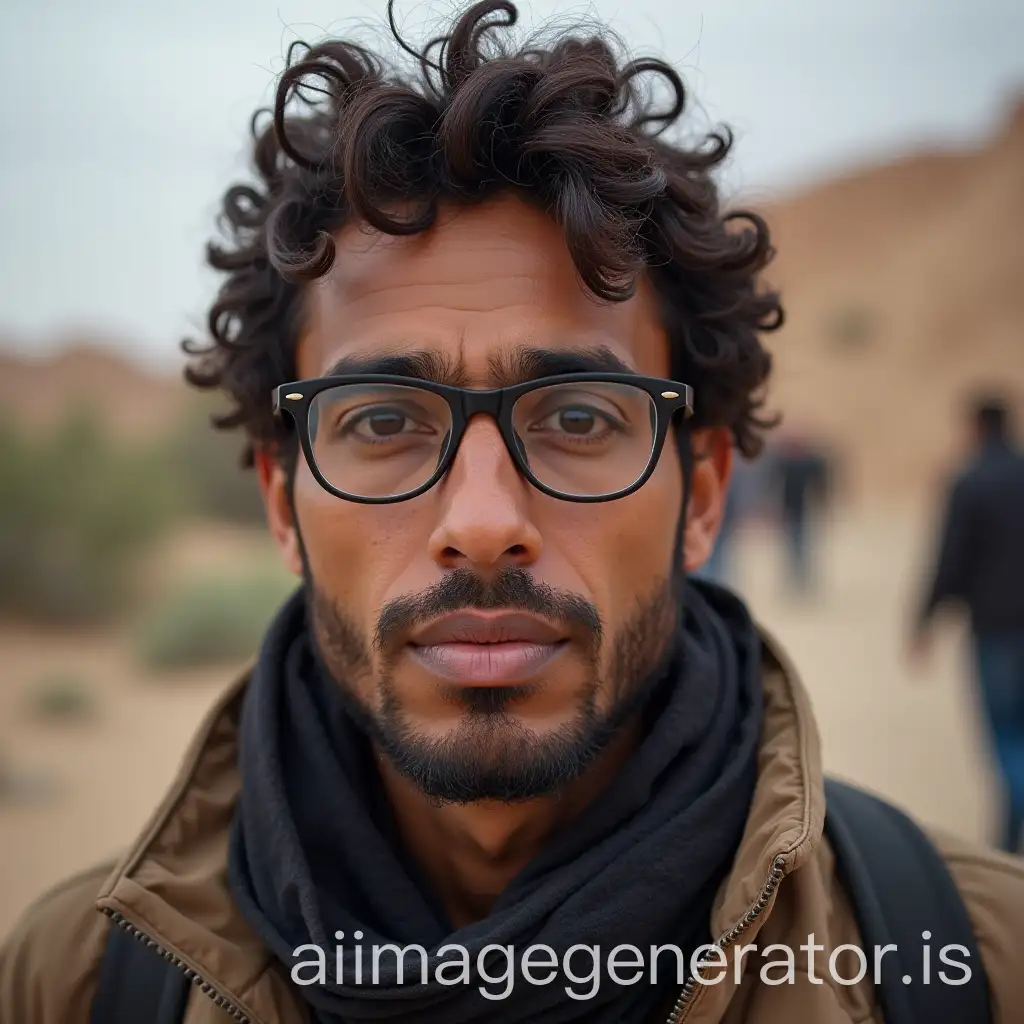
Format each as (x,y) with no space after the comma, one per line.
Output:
(462,590)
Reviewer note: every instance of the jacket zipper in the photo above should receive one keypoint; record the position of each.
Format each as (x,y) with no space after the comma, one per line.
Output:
(197,979)
(682,1006)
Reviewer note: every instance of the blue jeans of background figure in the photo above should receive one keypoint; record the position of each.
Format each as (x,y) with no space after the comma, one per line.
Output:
(797,534)
(1000,665)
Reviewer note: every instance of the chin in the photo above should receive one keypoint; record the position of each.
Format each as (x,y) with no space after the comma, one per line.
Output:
(493,756)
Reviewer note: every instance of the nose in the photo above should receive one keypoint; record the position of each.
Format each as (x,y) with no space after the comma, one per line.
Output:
(484,523)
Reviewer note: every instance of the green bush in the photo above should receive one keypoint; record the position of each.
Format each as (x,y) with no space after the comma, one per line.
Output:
(77,511)
(851,327)
(207,465)
(61,697)
(210,620)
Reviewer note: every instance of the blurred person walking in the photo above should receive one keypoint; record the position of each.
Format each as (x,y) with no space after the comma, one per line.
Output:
(802,472)
(980,565)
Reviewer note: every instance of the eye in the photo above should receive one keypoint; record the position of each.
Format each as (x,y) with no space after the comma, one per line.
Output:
(575,419)
(380,422)
(384,422)
(578,420)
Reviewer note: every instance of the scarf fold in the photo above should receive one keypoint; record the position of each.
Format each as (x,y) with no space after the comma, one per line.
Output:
(314,849)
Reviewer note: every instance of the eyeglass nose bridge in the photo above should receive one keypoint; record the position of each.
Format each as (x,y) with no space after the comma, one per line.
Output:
(476,402)
(489,403)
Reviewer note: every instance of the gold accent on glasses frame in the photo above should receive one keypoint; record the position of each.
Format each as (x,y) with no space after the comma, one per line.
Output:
(294,396)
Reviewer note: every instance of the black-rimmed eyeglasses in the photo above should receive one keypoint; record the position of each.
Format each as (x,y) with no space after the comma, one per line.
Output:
(379,438)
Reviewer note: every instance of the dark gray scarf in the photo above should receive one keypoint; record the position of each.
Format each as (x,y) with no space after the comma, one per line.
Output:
(314,849)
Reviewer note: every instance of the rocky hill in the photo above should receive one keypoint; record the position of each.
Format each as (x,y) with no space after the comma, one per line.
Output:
(84,374)
(904,286)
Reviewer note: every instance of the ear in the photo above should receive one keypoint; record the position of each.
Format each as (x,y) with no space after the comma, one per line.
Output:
(712,469)
(273,483)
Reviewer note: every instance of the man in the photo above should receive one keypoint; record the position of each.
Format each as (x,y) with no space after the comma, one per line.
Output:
(980,564)
(511,340)
(803,484)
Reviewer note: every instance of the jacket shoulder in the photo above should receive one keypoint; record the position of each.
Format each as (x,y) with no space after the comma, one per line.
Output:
(50,962)
(992,886)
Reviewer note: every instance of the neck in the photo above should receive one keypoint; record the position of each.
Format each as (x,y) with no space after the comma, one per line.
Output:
(471,852)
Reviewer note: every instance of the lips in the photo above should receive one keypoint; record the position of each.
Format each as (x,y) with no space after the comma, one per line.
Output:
(487,649)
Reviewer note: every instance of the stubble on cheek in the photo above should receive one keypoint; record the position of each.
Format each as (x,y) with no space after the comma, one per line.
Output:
(340,645)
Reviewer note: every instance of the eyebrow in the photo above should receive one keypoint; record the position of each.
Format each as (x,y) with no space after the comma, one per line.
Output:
(425,364)
(515,366)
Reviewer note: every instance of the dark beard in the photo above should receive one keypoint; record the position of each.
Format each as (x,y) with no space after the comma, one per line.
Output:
(491,755)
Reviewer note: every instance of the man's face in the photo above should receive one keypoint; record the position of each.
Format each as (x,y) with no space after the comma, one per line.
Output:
(491,637)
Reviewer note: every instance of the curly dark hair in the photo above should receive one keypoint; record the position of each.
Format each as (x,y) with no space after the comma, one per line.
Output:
(570,126)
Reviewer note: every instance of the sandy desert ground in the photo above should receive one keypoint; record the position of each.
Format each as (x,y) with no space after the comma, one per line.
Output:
(914,738)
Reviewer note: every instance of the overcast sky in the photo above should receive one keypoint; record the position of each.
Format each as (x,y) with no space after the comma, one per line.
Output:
(122,120)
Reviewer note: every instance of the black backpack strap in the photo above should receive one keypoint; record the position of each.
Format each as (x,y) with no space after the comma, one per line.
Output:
(137,984)
(901,887)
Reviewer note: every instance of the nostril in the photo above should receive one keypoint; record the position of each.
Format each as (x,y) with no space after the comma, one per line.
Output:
(452,555)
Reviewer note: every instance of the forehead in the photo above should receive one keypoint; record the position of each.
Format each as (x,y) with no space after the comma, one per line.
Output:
(482,285)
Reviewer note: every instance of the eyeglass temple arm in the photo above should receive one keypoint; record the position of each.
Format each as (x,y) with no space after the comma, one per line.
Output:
(686,401)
